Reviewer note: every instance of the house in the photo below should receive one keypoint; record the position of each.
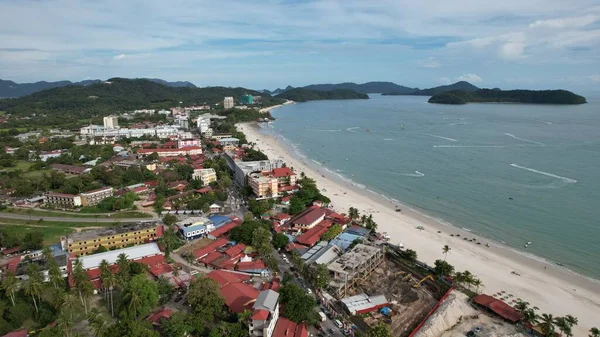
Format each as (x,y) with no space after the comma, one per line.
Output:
(215,208)
(308,218)
(213,246)
(155,317)
(285,176)
(223,230)
(265,314)
(194,227)
(287,328)
(70,169)
(252,267)
(313,235)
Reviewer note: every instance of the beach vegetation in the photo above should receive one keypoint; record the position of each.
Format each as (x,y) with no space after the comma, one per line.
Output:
(594,332)
(410,255)
(443,268)
(254,155)
(445,250)
(508,96)
(380,330)
(353,213)
(547,324)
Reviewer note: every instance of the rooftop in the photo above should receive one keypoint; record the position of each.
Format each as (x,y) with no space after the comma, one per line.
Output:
(125,228)
(132,253)
(211,247)
(499,307)
(103,189)
(287,328)
(283,172)
(193,221)
(225,277)
(363,303)
(308,216)
(353,258)
(267,300)
(239,296)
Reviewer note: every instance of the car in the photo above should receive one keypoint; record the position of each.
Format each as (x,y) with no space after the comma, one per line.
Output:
(318,326)
(308,291)
(478,329)
(331,331)
(178,298)
(470,333)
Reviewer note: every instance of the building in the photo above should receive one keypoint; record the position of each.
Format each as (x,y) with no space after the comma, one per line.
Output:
(62,200)
(308,218)
(263,185)
(362,303)
(228,103)
(111,122)
(287,328)
(241,169)
(247,99)
(85,242)
(190,150)
(70,169)
(207,175)
(94,197)
(60,259)
(194,227)
(45,155)
(356,264)
(498,307)
(265,314)
(321,253)
(188,142)
(285,176)
(229,143)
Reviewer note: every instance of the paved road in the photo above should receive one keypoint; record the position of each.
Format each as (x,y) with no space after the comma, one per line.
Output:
(70,219)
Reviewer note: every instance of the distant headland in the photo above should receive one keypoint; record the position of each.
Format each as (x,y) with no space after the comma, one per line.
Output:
(508,96)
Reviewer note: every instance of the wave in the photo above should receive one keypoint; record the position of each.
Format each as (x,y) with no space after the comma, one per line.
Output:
(326,130)
(388,139)
(473,146)
(541,121)
(524,140)
(353,128)
(461,123)
(316,162)
(547,174)
(417,174)
(441,137)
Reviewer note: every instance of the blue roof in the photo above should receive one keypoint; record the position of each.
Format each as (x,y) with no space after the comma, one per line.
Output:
(219,220)
(344,240)
(356,230)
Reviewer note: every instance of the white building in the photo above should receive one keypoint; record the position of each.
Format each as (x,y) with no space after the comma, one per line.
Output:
(207,175)
(228,103)
(265,314)
(111,122)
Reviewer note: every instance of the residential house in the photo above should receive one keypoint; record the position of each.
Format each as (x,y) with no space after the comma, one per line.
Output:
(194,227)
(265,314)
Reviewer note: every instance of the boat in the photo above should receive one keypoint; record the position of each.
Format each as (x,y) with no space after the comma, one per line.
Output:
(526,246)
(559,264)
(528,242)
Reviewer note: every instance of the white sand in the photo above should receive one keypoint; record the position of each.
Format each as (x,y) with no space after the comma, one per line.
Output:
(554,290)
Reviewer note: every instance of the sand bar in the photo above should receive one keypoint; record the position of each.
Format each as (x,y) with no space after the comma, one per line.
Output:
(552,288)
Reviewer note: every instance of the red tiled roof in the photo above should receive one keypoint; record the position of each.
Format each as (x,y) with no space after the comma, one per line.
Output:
(223,277)
(287,328)
(151,183)
(282,216)
(314,234)
(283,172)
(284,199)
(17,333)
(204,189)
(201,252)
(288,188)
(308,216)
(211,257)
(160,269)
(223,229)
(11,250)
(235,250)
(224,263)
(499,307)
(251,265)
(239,296)
(292,245)
(260,315)
(157,316)
(151,260)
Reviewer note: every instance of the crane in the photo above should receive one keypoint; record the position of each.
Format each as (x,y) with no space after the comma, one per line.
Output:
(418,285)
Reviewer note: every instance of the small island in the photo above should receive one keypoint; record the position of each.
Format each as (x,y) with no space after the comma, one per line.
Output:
(304,95)
(508,96)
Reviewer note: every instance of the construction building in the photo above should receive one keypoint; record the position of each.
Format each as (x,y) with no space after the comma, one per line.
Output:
(86,242)
(94,197)
(111,122)
(207,175)
(321,253)
(362,303)
(354,266)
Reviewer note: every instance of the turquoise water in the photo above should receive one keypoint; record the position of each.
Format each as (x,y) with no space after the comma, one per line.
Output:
(463,164)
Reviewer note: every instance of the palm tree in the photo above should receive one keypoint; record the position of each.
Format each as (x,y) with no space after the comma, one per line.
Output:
(110,282)
(104,274)
(459,277)
(9,284)
(33,288)
(521,306)
(47,254)
(135,301)
(573,321)
(97,322)
(594,332)
(68,304)
(547,324)
(65,323)
(55,274)
(87,290)
(123,263)
(562,325)
(477,283)
(445,251)
(530,316)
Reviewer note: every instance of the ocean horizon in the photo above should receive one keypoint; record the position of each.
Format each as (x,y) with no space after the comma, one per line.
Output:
(513,173)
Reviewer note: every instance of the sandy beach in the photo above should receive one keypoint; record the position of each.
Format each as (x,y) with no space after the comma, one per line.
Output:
(552,288)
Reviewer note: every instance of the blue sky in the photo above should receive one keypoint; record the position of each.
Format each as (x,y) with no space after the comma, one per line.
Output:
(268,44)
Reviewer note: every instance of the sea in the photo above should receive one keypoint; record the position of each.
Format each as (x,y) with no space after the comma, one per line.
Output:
(513,173)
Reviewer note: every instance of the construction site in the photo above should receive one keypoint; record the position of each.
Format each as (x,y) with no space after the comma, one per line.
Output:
(410,296)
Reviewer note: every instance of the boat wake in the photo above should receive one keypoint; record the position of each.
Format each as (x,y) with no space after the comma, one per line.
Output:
(441,137)
(417,174)
(565,179)
(462,123)
(388,139)
(353,128)
(524,140)
(472,146)
(319,130)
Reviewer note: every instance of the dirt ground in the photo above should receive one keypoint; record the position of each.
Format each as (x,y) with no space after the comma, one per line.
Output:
(491,327)
(409,305)
(193,245)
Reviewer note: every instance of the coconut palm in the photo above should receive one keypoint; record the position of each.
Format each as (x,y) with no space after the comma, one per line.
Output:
(529,316)
(47,254)
(110,282)
(68,304)
(97,322)
(477,283)
(135,301)
(572,320)
(562,325)
(468,277)
(104,274)
(445,251)
(65,323)
(547,324)
(521,306)
(10,285)
(87,290)
(123,274)
(594,332)
(33,288)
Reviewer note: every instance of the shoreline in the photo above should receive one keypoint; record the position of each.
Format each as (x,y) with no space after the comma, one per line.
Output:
(554,289)
(273,107)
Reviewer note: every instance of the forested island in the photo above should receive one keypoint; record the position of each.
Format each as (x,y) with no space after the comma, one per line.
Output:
(461,85)
(508,96)
(304,95)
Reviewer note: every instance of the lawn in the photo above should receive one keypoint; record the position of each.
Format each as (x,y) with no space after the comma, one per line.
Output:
(52,230)
(37,213)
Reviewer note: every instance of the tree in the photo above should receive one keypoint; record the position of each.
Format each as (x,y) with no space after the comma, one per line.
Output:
(299,306)
(332,232)
(9,285)
(320,276)
(169,219)
(296,205)
(280,240)
(261,241)
(169,241)
(123,264)
(98,323)
(379,330)
(67,303)
(477,283)
(165,289)
(529,316)
(547,324)
(445,250)
(353,213)
(33,286)
(33,240)
(55,274)
(65,323)
(205,298)
(87,290)
(443,268)
(258,207)
(140,296)
(176,326)
(562,325)
(594,332)
(410,255)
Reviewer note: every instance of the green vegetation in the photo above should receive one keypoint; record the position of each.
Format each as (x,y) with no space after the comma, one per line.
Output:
(308,193)
(50,230)
(304,95)
(65,214)
(299,306)
(332,232)
(254,155)
(508,96)
(462,85)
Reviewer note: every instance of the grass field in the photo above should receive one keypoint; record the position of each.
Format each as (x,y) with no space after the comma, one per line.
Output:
(119,215)
(2,112)
(52,230)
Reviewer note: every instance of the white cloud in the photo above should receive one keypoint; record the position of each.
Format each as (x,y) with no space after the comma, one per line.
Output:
(429,62)
(443,80)
(512,50)
(472,78)
(580,21)
(119,57)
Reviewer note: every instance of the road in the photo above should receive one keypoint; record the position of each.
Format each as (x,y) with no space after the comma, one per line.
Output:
(69,219)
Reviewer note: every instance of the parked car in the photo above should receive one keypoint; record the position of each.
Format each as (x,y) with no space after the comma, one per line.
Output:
(478,329)
(470,333)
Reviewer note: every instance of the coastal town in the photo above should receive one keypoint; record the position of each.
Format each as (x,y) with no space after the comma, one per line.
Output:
(183,222)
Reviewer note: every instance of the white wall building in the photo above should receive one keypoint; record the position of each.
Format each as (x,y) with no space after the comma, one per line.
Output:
(111,122)
(265,314)
(207,175)
(228,103)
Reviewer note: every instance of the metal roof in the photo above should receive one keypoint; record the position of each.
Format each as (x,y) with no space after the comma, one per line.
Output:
(132,253)
(362,302)
(266,300)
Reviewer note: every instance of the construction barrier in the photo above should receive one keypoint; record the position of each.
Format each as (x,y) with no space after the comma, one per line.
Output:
(431,312)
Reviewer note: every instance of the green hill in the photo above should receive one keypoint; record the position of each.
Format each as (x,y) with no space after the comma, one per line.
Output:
(304,95)
(508,96)
(461,85)
(117,95)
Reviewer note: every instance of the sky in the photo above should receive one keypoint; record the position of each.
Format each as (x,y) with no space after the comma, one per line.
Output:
(537,44)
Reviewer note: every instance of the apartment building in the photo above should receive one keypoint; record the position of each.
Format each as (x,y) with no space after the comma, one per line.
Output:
(285,176)
(188,142)
(207,175)
(228,103)
(263,185)
(111,122)
(190,150)
(62,200)
(265,314)
(94,197)
(241,169)
(86,242)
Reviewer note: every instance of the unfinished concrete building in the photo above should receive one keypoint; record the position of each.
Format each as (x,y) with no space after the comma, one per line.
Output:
(354,266)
